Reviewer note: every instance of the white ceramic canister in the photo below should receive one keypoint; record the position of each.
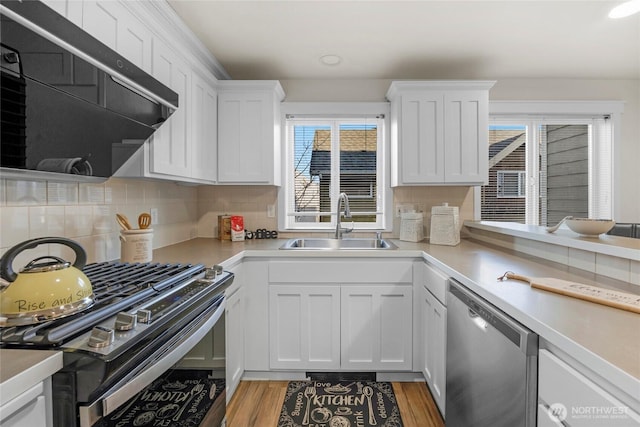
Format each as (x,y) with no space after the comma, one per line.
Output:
(136,245)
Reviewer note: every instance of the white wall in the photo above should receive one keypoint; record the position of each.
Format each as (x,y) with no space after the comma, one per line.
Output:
(627,155)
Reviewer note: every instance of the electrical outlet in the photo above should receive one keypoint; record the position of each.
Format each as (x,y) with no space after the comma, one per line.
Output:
(403,208)
(271,211)
(154,216)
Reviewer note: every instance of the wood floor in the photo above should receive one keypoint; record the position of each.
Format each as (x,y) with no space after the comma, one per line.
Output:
(258,404)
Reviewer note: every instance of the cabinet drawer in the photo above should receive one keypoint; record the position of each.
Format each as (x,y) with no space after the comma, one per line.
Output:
(436,282)
(379,271)
(587,404)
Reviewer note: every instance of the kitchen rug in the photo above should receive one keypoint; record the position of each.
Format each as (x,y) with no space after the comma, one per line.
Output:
(179,398)
(339,404)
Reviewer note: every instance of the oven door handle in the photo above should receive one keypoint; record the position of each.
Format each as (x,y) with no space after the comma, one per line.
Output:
(155,366)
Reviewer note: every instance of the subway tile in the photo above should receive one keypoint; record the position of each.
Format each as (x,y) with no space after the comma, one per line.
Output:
(617,268)
(45,221)
(635,272)
(102,219)
(91,194)
(26,193)
(62,193)
(78,221)
(584,260)
(134,192)
(14,225)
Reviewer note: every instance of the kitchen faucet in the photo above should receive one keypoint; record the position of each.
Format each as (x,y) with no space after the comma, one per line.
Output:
(347,214)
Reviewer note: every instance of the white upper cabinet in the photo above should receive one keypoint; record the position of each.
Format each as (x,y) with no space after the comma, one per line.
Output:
(439,132)
(249,132)
(204,125)
(170,148)
(70,9)
(112,24)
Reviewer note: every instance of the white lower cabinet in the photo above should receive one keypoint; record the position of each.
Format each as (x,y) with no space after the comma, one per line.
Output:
(31,408)
(331,327)
(568,398)
(434,323)
(376,327)
(234,334)
(304,327)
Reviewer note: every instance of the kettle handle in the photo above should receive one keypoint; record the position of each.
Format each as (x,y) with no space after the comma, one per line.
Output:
(6,270)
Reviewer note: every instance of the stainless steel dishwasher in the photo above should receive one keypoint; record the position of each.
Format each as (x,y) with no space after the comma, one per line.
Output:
(492,364)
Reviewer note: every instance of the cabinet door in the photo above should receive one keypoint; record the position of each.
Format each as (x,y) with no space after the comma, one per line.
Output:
(170,151)
(112,24)
(466,121)
(435,343)
(376,327)
(28,408)
(204,131)
(70,9)
(304,326)
(421,142)
(245,137)
(234,320)
(564,388)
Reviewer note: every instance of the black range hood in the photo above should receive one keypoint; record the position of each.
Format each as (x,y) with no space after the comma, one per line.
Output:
(70,104)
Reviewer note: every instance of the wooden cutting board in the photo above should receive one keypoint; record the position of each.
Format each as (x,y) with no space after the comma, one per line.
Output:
(621,300)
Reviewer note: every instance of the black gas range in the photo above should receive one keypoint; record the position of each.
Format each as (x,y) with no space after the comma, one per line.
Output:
(145,318)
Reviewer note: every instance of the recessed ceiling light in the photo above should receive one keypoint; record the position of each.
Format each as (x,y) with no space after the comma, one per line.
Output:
(330,59)
(625,9)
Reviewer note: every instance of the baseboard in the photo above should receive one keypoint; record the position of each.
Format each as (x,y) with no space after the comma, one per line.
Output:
(301,376)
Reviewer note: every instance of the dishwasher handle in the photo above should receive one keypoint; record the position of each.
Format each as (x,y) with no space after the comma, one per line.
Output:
(519,335)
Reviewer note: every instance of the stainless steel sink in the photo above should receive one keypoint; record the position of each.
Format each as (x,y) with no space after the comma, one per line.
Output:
(338,244)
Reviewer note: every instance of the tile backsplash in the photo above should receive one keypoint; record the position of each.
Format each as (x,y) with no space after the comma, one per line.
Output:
(86,212)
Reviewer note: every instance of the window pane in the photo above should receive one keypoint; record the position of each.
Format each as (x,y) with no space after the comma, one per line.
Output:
(358,167)
(507,160)
(564,172)
(312,160)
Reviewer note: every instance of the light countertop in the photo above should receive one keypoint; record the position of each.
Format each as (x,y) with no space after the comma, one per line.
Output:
(22,369)
(604,339)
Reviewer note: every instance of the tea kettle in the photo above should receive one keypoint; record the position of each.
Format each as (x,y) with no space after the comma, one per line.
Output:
(46,288)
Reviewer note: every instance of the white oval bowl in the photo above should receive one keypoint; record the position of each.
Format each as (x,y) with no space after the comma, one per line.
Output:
(590,227)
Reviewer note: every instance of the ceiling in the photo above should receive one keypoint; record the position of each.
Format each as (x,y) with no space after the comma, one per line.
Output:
(419,39)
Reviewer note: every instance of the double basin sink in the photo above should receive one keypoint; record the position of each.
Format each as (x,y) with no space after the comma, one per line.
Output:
(338,244)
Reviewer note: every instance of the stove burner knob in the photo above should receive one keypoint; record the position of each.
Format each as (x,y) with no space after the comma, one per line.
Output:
(212,272)
(125,321)
(101,337)
(144,316)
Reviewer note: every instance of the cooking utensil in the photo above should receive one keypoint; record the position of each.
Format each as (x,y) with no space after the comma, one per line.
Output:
(123,221)
(611,298)
(43,290)
(555,227)
(144,220)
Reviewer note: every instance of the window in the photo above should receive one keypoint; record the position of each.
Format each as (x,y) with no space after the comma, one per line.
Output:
(543,167)
(326,155)
(511,183)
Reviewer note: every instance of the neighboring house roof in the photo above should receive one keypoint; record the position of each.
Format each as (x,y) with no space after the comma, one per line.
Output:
(351,162)
(357,152)
(500,150)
